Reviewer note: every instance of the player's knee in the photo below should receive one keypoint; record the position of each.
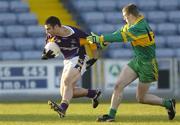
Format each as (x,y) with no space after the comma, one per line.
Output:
(67,81)
(118,87)
(140,99)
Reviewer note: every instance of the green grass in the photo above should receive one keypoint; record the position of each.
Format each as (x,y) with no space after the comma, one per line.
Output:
(39,113)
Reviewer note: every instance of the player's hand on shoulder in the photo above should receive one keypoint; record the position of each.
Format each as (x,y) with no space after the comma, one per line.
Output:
(95,39)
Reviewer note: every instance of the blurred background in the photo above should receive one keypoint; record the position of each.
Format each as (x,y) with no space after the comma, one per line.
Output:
(24,76)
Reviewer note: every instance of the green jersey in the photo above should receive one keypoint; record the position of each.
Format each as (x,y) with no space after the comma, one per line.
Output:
(142,41)
(139,34)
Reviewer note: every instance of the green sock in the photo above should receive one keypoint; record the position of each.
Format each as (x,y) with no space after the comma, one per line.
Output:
(112,112)
(166,103)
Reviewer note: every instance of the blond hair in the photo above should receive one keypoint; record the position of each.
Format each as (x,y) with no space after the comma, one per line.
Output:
(131,9)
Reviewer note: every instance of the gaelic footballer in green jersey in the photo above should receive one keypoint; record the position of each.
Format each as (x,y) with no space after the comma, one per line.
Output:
(143,65)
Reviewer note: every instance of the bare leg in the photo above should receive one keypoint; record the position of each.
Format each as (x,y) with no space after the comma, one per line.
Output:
(143,97)
(70,78)
(62,82)
(126,76)
(79,92)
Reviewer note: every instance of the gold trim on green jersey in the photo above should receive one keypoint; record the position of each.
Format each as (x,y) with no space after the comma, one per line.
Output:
(140,36)
(124,36)
(101,38)
(139,19)
(143,42)
(155,68)
(131,35)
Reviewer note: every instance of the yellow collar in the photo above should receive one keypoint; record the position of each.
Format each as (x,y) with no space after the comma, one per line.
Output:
(138,19)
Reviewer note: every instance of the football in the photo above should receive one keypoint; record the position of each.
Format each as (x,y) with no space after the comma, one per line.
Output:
(53,47)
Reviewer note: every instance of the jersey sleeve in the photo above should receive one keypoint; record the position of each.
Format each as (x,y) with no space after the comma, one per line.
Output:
(127,34)
(79,33)
(82,34)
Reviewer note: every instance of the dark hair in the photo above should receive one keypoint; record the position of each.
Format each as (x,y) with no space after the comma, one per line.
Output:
(131,9)
(52,20)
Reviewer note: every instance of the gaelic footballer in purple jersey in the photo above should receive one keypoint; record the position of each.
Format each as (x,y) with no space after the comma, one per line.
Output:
(69,45)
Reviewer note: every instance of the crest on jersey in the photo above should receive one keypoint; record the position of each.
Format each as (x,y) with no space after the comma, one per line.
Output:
(53,39)
(58,41)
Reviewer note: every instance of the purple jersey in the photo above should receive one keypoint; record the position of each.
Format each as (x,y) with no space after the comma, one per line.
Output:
(70,45)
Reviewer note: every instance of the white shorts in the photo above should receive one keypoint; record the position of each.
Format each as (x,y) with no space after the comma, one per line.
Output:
(74,61)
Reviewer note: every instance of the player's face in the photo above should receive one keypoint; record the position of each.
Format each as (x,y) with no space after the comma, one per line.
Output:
(50,29)
(127,17)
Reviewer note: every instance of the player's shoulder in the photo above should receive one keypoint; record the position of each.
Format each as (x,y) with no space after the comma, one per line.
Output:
(75,29)
(78,31)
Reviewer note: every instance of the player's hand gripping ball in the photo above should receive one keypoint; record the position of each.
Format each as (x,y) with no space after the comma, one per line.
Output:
(51,50)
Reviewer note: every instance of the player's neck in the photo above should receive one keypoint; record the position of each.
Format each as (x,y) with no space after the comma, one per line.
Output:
(63,32)
(134,20)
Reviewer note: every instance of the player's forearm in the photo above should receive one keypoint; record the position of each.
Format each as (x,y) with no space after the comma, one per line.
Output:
(116,37)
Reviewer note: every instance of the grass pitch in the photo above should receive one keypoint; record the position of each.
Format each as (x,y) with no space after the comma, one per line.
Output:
(39,113)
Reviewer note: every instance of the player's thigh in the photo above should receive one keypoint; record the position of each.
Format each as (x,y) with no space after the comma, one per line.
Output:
(142,89)
(71,76)
(62,80)
(126,76)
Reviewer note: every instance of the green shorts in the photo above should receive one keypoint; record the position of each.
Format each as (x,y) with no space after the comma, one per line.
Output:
(147,71)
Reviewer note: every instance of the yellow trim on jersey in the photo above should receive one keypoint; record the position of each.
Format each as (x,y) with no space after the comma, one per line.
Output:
(125,28)
(88,51)
(140,36)
(155,67)
(51,39)
(143,42)
(131,35)
(124,36)
(125,31)
(89,48)
(146,35)
(139,19)
(101,38)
